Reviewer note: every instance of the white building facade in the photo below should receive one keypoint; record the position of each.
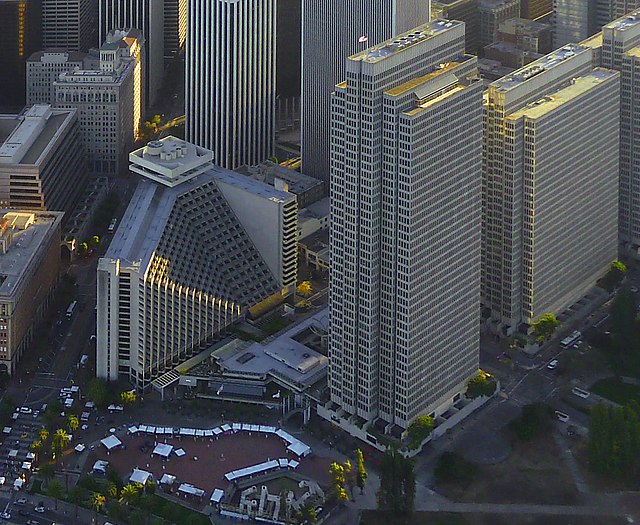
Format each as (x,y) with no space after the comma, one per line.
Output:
(549,215)
(404,331)
(230,84)
(330,33)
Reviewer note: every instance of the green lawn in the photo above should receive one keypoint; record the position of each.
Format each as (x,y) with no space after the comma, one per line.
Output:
(617,391)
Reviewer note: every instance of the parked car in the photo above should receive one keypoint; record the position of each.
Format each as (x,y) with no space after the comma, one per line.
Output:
(25,410)
(580,393)
(39,508)
(553,365)
(562,416)
(21,501)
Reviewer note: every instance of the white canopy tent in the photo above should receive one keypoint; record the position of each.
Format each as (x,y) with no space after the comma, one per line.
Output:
(140,476)
(180,452)
(167,479)
(186,488)
(162,450)
(299,449)
(216,496)
(111,442)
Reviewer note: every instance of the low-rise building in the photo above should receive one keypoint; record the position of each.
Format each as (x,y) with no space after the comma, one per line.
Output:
(29,264)
(307,189)
(43,165)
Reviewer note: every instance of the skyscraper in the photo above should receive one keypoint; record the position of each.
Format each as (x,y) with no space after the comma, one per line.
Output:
(68,24)
(175,26)
(148,17)
(406,141)
(230,79)
(20,36)
(330,33)
(550,193)
(621,51)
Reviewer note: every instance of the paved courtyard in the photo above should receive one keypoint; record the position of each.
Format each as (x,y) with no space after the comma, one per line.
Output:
(215,457)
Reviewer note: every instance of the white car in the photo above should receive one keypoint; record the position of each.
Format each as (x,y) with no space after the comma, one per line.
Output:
(40,509)
(580,393)
(553,365)
(21,501)
(562,416)
(25,410)
(5,515)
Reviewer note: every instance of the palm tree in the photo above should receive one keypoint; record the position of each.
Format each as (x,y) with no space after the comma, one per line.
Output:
(59,442)
(97,501)
(129,493)
(72,422)
(44,434)
(36,447)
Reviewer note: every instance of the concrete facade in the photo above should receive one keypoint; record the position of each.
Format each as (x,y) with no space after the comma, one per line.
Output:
(43,164)
(44,68)
(525,270)
(29,265)
(330,33)
(397,349)
(230,85)
(109,99)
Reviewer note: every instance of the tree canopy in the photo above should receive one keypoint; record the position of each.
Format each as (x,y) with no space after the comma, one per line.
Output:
(544,327)
(397,483)
(481,385)
(614,441)
(533,420)
(419,429)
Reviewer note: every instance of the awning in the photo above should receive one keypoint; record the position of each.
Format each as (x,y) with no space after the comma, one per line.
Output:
(100,466)
(299,449)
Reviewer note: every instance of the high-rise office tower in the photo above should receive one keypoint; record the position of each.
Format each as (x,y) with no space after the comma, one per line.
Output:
(406,141)
(621,51)
(550,172)
(574,20)
(20,36)
(68,24)
(175,27)
(331,30)
(148,17)
(230,81)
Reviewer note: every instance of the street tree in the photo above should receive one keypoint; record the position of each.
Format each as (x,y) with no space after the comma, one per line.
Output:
(44,434)
(419,429)
(77,496)
(336,472)
(94,242)
(128,397)
(397,484)
(98,391)
(55,490)
(361,471)
(304,288)
(544,327)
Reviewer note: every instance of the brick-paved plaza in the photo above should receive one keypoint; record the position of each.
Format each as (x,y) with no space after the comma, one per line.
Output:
(216,457)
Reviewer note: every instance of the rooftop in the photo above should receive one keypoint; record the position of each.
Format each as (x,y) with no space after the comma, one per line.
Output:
(250,185)
(268,171)
(32,230)
(405,40)
(418,81)
(594,41)
(57,55)
(578,87)
(489,4)
(170,161)
(283,357)
(628,21)
(545,63)
(26,137)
